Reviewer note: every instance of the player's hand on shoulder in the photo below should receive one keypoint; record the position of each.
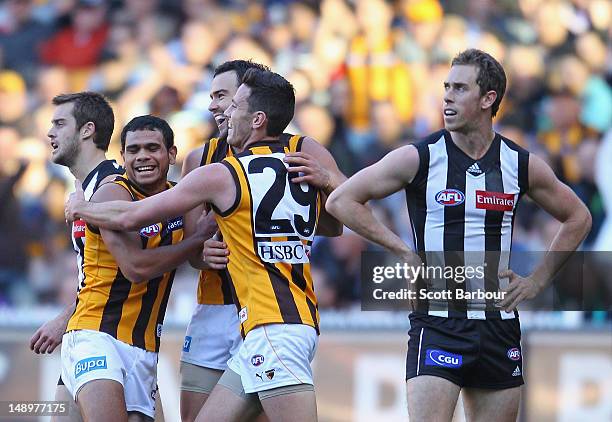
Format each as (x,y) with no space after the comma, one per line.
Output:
(215,254)
(519,289)
(75,200)
(307,169)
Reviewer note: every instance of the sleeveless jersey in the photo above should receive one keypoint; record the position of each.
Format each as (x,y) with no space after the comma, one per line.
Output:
(214,287)
(269,229)
(108,302)
(90,185)
(462,213)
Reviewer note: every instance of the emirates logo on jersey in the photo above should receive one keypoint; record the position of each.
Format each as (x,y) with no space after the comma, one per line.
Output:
(494,201)
(78,229)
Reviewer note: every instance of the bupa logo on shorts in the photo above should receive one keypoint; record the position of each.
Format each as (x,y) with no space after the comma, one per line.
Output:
(158,331)
(89,364)
(514,353)
(436,357)
(150,231)
(450,197)
(187,344)
(257,360)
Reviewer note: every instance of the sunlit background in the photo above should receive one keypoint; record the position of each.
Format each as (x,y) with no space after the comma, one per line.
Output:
(368,78)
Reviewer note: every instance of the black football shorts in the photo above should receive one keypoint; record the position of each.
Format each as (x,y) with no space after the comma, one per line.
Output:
(468,352)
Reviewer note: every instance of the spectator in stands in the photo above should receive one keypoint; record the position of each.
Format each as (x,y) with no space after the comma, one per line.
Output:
(20,37)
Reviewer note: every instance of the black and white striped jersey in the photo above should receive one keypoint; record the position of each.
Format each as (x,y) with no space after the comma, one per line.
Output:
(462,213)
(90,185)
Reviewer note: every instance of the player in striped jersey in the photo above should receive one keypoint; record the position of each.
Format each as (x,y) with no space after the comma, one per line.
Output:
(81,130)
(462,187)
(212,335)
(109,351)
(268,223)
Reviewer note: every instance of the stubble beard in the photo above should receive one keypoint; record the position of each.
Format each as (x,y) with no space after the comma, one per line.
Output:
(68,157)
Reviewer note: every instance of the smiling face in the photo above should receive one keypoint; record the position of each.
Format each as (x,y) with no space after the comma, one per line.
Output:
(64,136)
(240,118)
(147,159)
(464,106)
(222,90)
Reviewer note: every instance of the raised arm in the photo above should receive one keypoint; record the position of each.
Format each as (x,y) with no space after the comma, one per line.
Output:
(318,169)
(136,263)
(212,183)
(562,203)
(389,175)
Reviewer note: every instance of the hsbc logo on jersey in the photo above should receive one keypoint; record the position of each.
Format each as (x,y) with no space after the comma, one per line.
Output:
(450,197)
(292,252)
(494,201)
(150,231)
(78,229)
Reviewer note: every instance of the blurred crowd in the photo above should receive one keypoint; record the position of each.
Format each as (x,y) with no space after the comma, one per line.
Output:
(368,77)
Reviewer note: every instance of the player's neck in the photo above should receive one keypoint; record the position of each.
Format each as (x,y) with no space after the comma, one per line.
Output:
(474,143)
(255,139)
(154,189)
(86,162)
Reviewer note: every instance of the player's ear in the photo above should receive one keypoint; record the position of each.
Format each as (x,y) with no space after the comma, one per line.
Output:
(259,120)
(488,99)
(172,154)
(87,130)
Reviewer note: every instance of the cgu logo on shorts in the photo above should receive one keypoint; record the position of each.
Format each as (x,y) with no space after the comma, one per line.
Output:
(450,197)
(514,353)
(89,364)
(435,357)
(494,201)
(150,231)
(292,252)
(78,229)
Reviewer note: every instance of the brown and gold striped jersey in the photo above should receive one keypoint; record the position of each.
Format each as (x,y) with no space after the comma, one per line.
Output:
(214,286)
(269,230)
(109,302)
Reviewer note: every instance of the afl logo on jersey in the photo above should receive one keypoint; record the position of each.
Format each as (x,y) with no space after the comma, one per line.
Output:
(150,231)
(450,197)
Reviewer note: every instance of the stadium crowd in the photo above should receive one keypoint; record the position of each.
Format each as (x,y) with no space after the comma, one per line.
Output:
(368,76)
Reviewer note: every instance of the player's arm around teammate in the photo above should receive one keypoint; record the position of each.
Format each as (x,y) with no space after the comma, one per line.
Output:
(139,264)
(212,183)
